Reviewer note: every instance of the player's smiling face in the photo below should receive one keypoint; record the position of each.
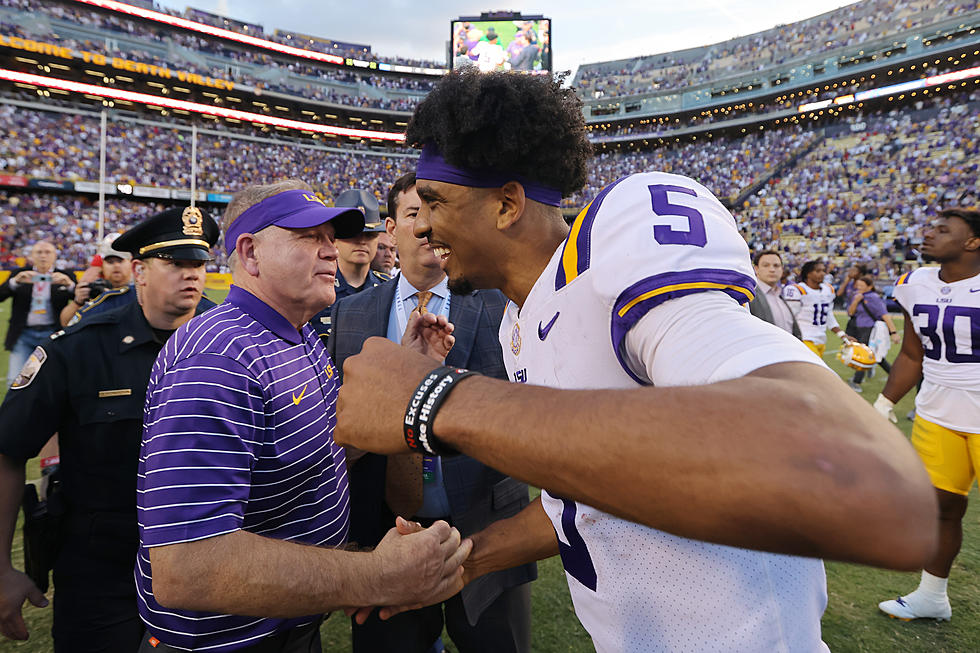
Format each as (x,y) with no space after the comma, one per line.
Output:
(454,220)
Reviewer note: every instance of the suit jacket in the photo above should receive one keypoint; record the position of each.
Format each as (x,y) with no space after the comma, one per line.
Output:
(478,495)
(60,297)
(759,307)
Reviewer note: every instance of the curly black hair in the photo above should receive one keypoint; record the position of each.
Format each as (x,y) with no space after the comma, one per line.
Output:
(505,122)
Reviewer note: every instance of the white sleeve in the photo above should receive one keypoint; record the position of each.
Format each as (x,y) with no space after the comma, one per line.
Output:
(832,319)
(706,338)
(791,295)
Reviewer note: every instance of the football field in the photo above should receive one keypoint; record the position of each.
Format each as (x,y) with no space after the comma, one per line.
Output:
(852,621)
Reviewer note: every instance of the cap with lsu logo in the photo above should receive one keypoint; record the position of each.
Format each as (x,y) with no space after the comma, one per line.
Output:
(368,204)
(183,234)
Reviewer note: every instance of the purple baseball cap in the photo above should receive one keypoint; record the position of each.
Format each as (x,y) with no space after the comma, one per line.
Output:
(294,209)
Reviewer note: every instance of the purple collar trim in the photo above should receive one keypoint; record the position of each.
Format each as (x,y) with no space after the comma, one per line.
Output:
(433,167)
(264,314)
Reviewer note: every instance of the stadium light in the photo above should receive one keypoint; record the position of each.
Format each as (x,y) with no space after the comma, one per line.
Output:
(157,102)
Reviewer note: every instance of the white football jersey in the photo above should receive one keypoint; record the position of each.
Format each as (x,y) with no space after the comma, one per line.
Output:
(642,292)
(816,313)
(946,317)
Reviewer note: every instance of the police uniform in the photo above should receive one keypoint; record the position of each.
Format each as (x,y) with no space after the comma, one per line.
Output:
(88,384)
(368,204)
(114,298)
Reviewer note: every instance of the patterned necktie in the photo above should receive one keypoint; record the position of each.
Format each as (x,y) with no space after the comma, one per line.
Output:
(403,474)
(425,296)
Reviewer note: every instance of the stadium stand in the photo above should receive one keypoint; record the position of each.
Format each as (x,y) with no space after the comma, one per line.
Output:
(851,25)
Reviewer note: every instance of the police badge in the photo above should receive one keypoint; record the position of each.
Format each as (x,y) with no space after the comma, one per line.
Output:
(193,221)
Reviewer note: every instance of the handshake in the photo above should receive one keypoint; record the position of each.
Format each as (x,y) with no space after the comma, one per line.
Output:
(415,567)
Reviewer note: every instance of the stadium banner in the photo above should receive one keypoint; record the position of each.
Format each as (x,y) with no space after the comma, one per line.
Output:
(51,184)
(220,198)
(151,191)
(93,187)
(13,180)
(186,195)
(217,281)
(55,50)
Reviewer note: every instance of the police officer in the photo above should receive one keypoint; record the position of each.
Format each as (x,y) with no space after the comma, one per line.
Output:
(356,254)
(88,384)
(114,297)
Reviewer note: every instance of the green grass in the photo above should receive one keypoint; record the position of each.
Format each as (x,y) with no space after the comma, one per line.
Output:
(852,621)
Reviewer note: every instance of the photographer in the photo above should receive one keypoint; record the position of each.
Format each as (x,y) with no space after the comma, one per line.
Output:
(112,271)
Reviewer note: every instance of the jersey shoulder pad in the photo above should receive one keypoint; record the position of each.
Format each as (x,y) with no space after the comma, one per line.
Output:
(656,236)
(793,292)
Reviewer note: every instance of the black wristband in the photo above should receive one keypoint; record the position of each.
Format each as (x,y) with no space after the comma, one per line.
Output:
(424,405)
(891,333)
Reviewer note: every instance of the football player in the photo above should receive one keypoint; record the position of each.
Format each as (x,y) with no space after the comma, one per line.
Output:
(812,302)
(647,437)
(941,346)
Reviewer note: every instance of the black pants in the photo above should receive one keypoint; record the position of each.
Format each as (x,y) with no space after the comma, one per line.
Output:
(864,335)
(504,627)
(95,609)
(304,639)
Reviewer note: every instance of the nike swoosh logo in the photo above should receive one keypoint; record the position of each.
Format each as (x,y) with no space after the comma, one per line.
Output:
(298,399)
(543,330)
(974,289)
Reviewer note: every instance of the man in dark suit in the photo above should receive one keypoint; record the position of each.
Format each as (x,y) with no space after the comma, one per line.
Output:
(768,303)
(491,614)
(40,292)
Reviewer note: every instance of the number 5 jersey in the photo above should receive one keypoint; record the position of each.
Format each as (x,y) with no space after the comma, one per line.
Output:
(646,290)
(946,317)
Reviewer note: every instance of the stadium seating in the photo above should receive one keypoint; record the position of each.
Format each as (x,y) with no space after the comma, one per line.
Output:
(850,25)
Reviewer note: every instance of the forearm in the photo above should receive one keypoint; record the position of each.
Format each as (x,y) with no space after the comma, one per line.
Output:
(247,574)
(12,477)
(905,373)
(526,537)
(68,312)
(889,322)
(834,480)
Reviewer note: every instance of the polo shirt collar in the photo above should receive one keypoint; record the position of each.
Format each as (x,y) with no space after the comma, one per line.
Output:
(264,314)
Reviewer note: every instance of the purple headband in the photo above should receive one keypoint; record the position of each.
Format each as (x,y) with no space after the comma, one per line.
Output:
(433,167)
(294,209)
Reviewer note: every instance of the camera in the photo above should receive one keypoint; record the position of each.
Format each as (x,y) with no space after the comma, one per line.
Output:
(97,287)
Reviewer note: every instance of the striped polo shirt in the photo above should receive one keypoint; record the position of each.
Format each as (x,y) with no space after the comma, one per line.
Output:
(238,434)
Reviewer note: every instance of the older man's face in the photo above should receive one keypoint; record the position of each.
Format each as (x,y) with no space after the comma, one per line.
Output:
(43,256)
(297,268)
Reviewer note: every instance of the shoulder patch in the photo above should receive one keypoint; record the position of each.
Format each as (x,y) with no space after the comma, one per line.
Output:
(381,275)
(30,369)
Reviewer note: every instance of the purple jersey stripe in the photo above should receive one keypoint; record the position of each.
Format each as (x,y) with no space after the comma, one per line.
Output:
(583,243)
(646,294)
(238,434)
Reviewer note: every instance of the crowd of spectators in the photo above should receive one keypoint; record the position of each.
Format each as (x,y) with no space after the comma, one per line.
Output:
(853,24)
(347,86)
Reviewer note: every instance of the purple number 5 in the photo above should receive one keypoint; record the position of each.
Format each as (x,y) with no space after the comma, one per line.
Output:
(575,555)
(667,235)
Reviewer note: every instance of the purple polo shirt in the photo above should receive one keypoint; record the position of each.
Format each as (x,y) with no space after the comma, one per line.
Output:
(238,434)
(876,306)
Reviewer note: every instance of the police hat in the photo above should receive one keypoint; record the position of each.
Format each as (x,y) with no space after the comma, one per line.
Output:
(359,198)
(184,234)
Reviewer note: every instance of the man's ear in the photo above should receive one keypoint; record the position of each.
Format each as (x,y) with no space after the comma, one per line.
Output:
(512,203)
(390,228)
(246,249)
(139,270)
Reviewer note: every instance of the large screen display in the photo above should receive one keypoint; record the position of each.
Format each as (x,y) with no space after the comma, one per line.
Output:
(518,45)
